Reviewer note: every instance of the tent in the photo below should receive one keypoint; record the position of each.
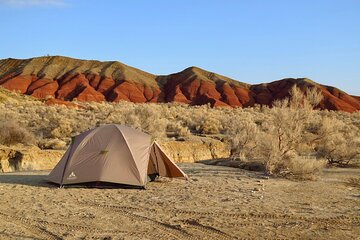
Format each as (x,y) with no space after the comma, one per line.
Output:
(115,154)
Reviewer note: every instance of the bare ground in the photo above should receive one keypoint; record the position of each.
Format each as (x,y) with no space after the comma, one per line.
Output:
(217,203)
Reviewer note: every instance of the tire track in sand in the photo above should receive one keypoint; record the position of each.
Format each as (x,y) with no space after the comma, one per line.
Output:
(252,219)
(38,230)
(40,226)
(341,219)
(168,231)
(208,231)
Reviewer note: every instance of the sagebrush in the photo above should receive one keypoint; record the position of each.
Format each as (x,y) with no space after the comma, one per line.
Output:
(279,135)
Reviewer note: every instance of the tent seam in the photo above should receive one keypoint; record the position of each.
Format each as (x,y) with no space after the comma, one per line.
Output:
(66,164)
(132,156)
(86,139)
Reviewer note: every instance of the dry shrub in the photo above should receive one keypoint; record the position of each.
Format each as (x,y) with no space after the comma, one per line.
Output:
(177,130)
(12,133)
(284,130)
(149,120)
(209,126)
(52,144)
(303,168)
(277,135)
(62,129)
(242,138)
(340,150)
(354,182)
(337,142)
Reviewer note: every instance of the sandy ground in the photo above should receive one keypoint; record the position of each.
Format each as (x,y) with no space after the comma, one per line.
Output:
(217,203)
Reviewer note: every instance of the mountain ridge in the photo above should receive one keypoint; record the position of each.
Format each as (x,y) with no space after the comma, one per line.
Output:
(66,78)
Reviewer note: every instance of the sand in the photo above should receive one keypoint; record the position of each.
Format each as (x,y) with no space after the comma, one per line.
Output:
(217,203)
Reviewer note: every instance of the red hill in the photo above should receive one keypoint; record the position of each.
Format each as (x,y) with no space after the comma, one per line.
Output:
(87,80)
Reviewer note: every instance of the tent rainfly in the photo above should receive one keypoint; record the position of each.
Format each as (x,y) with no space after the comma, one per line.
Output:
(115,154)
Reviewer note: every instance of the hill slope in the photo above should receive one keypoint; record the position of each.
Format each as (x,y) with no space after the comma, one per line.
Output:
(89,80)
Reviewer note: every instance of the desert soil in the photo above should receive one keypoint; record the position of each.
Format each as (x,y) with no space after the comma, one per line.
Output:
(216,203)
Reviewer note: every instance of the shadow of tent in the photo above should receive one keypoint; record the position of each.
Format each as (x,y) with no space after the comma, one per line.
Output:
(25,179)
(40,181)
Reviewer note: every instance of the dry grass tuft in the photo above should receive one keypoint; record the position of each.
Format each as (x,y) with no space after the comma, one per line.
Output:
(354,182)
(12,133)
(303,168)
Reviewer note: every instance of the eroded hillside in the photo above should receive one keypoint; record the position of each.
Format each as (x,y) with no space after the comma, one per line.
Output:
(67,79)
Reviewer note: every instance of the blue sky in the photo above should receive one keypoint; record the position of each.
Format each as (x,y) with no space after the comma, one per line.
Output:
(252,41)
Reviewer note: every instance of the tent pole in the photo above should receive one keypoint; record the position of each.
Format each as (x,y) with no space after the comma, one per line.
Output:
(156,158)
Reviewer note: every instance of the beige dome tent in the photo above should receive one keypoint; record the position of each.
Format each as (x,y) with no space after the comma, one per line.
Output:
(115,154)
